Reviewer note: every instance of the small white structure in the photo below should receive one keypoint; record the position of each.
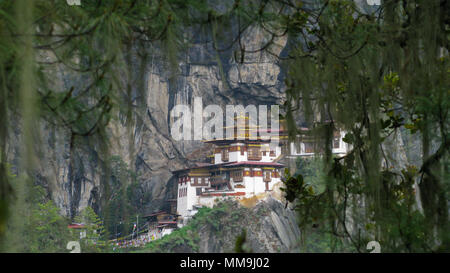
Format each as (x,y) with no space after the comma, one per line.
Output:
(305,146)
(160,224)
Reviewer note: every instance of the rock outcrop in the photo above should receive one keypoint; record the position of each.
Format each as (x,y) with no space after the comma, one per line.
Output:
(73,174)
(270,227)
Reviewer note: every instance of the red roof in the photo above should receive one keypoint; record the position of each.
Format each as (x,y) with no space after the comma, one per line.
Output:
(234,163)
(234,140)
(255,163)
(76,226)
(223,193)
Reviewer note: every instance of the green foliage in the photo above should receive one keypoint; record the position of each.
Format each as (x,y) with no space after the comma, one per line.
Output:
(313,172)
(319,241)
(374,74)
(223,219)
(126,200)
(240,245)
(5,169)
(182,240)
(93,44)
(49,232)
(37,224)
(370,73)
(397,224)
(96,239)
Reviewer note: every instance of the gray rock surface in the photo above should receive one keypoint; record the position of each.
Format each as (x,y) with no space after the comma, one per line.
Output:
(74,177)
(270,227)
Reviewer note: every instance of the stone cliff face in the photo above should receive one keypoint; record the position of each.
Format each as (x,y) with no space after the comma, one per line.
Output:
(72,174)
(269,228)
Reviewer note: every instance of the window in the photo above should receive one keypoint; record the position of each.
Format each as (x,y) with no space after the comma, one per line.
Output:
(267,177)
(182,192)
(309,147)
(199,181)
(336,142)
(237,176)
(198,191)
(254,153)
(225,154)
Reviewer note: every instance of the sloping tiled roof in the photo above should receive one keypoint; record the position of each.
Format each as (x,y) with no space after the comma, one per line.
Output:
(76,226)
(234,164)
(255,163)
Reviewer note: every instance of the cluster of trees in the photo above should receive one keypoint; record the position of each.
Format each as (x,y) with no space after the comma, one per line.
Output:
(127,199)
(94,45)
(37,226)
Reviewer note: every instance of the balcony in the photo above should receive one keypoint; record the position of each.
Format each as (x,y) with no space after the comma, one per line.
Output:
(217,180)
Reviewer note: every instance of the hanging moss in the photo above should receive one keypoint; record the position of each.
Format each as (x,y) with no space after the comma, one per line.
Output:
(372,74)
